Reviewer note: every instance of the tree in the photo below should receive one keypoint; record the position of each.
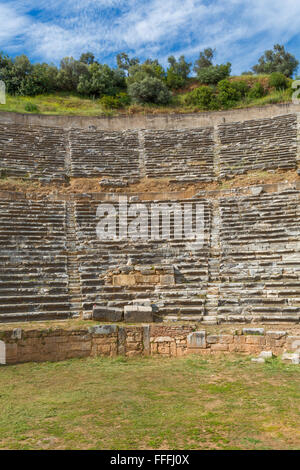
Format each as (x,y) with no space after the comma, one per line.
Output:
(205,59)
(277,60)
(70,72)
(178,72)
(87,58)
(214,74)
(15,72)
(124,62)
(207,73)
(150,68)
(149,90)
(42,79)
(101,79)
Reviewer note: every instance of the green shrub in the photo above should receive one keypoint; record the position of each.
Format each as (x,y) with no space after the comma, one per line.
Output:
(228,93)
(213,74)
(115,102)
(257,91)
(241,87)
(203,97)
(149,90)
(31,108)
(278,81)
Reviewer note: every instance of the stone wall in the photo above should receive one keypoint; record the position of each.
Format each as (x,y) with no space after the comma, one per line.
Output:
(17,346)
(151,121)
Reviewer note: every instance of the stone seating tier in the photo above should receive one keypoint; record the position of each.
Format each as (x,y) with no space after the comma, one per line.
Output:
(122,157)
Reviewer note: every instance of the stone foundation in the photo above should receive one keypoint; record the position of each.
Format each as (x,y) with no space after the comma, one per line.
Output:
(17,345)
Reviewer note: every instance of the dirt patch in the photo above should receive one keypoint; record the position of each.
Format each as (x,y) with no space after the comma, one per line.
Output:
(148,185)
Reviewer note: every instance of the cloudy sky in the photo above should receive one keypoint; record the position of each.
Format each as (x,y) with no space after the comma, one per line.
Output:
(240,30)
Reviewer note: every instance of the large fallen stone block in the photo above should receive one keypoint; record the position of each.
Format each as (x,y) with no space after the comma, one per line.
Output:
(107,314)
(260,360)
(266,354)
(294,358)
(138,314)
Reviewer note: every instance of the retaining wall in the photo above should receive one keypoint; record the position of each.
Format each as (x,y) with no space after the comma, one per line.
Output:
(150,121)
(17,345)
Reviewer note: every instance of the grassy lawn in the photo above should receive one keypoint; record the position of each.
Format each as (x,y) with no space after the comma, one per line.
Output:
(150,403)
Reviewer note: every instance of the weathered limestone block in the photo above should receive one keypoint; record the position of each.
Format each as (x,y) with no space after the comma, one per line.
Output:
(107,314)
(293,343)
(167,280)
(253,331)
(258,340)
(219,347)
(16,333)
(196,340)
(226,339)
(294,358)
(138,314)
(212,339)
(2,353)
(103,329)
(276,334)
(266,354)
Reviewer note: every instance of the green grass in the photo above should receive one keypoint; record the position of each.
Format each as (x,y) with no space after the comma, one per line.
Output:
(60,104)
(150,403)
(64,104)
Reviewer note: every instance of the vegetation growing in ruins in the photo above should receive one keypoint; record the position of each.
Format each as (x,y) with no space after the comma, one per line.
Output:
(149,403)
(88,87)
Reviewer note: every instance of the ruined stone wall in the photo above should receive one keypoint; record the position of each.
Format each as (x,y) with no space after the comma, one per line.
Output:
(17,346)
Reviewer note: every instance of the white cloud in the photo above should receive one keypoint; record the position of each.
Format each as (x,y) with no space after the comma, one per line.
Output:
(241,31)
(12,24)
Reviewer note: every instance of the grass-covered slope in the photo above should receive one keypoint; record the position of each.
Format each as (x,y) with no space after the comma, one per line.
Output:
(66,104)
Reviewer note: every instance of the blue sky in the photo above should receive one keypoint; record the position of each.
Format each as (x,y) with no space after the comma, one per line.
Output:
(240,30)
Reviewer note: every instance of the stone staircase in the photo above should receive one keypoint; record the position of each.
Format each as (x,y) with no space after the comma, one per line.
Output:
(74,284)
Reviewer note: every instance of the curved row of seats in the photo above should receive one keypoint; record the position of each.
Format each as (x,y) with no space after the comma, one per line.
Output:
(190,155)
(33,261)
